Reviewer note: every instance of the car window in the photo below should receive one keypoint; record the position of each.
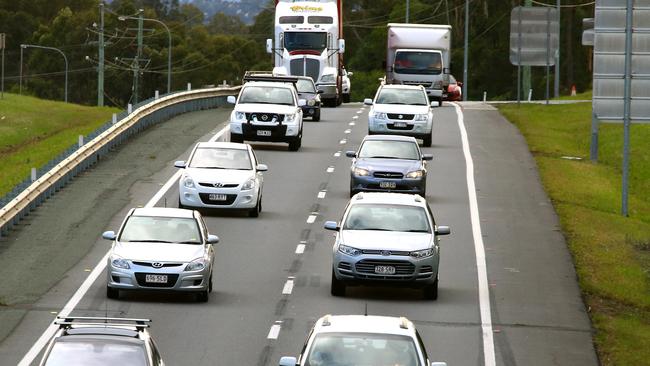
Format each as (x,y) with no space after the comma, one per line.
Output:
(401,96)
(418,63)
(160,230)
(266,95)
(305,86)
(220,158)
(96,353)
(367,216)
(389,149)
(362,349)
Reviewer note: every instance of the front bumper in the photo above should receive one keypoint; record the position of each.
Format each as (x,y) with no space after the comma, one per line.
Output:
(310,111)
(177,279)
(388,126)
(272,132)
(408,271)
(373,184)
(199,197)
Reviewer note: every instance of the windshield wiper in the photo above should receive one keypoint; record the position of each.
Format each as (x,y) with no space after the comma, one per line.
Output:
(382,157)
(208,167)
(417,231)
(188,242)
(149,241)
(375,228)
(396,103)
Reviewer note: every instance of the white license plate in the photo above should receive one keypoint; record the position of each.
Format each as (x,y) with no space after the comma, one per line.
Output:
(155,278)
(399,124)
(388,185)
(384,269)
(263,133)
(217,197)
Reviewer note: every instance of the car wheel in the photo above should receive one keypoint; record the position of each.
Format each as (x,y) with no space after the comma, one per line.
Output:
(210,284)
(426,140)
(294,144)
(316,116)
(180,205)
(440,100)
(337,287)
(234,137)
(346,98)
(430,292)
(203,296)
(112,293)
(255,211)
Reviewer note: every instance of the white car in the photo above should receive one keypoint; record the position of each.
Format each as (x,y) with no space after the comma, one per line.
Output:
(222,175)
(267,109)
(402,110)
(362,340)
(346,84)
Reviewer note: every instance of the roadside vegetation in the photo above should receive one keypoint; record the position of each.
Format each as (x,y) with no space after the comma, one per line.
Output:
(611,252)
(34,131)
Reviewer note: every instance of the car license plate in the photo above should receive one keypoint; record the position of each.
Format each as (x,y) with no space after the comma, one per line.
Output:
(263,133)
(384,269)
(217,197)
(388,185)
(150,278)
(399,124)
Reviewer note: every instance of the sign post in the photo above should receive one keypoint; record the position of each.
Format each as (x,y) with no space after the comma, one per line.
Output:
(3,36)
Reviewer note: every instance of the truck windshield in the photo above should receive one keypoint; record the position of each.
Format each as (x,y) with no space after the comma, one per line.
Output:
(418,62)
(305,41)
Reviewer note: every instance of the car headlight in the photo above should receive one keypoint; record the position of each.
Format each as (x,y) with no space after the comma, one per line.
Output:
(423,253)
(311,102)
(421,117)
(250,184)
(290,118)
(327,78)
(188,182)
(415,174)
(240,116)
(353,252)
(437,84)
(196,265)
(361,172)
(379,115)
(119,262)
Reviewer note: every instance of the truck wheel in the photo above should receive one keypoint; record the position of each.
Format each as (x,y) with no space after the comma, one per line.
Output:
(440,100)
(294,144)
(316,116)
(346,98)
(337,287)
(430,292)
(426,140)
(235,137)
(338,101)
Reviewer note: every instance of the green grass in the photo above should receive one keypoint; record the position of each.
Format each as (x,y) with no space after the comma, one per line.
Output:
(611,252)
(33,131)
(580,96)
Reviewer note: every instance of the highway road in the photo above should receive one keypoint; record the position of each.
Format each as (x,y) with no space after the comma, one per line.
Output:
(272,275)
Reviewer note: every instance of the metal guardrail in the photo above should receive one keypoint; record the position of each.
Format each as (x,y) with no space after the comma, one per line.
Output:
(28,195)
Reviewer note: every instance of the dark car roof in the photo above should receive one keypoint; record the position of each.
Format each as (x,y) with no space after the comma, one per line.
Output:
(389,138)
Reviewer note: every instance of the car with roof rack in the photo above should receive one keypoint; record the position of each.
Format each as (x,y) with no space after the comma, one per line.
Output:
(101,341)
(362,340)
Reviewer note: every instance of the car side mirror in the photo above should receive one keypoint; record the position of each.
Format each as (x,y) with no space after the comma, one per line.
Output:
(288,361)
(231,99)
(269,45)
(435,104)
(180,164)
(341,46)
(109,235)
(427,156)
(367,101)
(446,70)
(331,225)
(262,167)
(443,230)
(351,154)
(350,73)
(320,91)
(302,102)
(213,239)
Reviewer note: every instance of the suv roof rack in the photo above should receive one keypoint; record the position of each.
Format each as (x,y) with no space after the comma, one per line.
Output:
(69,321)
(268,76)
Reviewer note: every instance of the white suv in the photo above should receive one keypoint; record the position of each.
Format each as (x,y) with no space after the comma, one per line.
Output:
(362,340)
(267,109)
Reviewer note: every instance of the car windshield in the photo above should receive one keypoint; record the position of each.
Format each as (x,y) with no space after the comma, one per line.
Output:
(362,349)
(266,95)
(388,149)
(418,62)
(312,41)
(385,217)
(150,229)
(305,86)
(221,158)
(402,96)
(96,353)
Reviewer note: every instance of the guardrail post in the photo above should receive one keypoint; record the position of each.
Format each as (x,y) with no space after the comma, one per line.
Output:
(81,140)
(156,95)
(114,120)
(530,95)
(129,108)
(484,96)
(189,86)
(33,174)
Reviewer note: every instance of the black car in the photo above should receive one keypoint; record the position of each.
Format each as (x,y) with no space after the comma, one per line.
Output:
(307,91)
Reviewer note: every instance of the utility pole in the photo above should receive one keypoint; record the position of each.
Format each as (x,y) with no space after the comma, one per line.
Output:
(525,70)
(20,87)
(465,57)
(136,62)
(100,66)
(557,54)
(407,10)
(448,16)
(2,47)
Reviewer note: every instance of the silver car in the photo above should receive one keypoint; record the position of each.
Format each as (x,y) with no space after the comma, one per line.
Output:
(159,248)
(386,238)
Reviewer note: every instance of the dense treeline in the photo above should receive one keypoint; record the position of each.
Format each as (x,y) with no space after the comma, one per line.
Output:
(207,51)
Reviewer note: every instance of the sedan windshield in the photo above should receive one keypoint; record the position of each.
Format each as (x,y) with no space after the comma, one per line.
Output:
(362,349)
(389,150)
(219,158)
(418,62)
(387,218)
(305,86)
(150,229)
(402,96)
(266,95)
(96,353)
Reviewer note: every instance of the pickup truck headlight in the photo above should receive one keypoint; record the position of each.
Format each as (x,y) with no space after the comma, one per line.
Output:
(379,115)
(119,262)
(424,253)
(421,117)
(327,78)
(188,182)
(353,252)
(196,265)
(250,184)
(361,172)
(239,116)
(290,118)
(415,174)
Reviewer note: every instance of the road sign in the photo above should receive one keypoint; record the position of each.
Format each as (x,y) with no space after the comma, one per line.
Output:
(534,36)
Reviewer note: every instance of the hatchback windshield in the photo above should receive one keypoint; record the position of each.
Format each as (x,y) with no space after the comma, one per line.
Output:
(305,86)
(401,96)
(96,353)
(387,218)
(362,349)
(418,62)
(217,158)
(389,150)
(266,95)
(161,230)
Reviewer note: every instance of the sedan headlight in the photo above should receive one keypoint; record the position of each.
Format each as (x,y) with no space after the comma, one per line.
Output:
(421,117)
(240,116)
(198,264)
(311,102)
(424,253)
(250,184)
(415,174)
(119,262)
(361,172)
(327,78)
(353,252)
(379,115)
(188,182)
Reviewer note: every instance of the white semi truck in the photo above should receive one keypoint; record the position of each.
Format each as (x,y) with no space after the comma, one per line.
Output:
(309,42)
(418,54)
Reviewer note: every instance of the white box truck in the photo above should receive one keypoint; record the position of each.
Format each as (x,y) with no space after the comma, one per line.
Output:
(418,54)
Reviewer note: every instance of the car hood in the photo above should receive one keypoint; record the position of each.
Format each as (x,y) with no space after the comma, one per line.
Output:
(161,252)
(385,240)
(226,176)
(266,108)
(390,165)
(307,96)
(400,108)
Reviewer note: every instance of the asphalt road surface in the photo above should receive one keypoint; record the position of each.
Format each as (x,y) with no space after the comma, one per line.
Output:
(272,273)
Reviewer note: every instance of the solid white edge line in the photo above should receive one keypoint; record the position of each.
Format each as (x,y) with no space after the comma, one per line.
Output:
(274,332)
(33,352)
(479,248)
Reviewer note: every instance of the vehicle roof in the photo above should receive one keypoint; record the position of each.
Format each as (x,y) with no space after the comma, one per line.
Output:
(388,198)
(403,87)
(390,138)
(163,212)
(364,324)
(112,331)
(223,144)
(274,84)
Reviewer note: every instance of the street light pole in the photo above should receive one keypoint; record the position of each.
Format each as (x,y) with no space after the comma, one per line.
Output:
(23,46)
(465,81)
(407,10)
(20,88)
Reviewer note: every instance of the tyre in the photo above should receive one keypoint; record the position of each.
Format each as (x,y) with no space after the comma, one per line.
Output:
(234,137)
(210,284)
(112,293)
(294,144)
(440,100)
(346,98)
(430,292)
(426,140)
(337,287)
(180,205)
(316,116)
(255,211)
(203,296)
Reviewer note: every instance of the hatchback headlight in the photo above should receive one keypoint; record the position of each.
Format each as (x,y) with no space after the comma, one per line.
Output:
(415,174)
(196,265)
(250,184)
(353,252)
(188,182)
(379,115)
(327,78)
(421,117)
(424,253)
(119,262)
(361,172)
(311,102)
(240,116)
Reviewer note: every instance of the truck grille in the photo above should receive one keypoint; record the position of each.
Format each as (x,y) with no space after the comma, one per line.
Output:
(311,66)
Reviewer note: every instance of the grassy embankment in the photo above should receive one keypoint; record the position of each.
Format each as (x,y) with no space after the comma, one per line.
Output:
(611,252)
(33,131)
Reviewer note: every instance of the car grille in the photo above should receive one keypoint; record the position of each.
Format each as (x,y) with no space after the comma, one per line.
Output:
(265,117)
(403,116)
(312,68)
(390,175)
(385,252)
(402,268)
(212,185)
(425,84)
(391,126)
(230,198)
(345,266)
(150,264)
(171,280)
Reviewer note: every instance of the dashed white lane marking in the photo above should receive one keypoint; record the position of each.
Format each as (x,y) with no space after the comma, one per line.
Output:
(337,154)
(347,131)
(479,248)
(355,117)
(360,111)
(300,248)
(274,332)
(351,123)
(330,169)
(322,194)
(343,142)
(33,352)
(288,286)
(311,219)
